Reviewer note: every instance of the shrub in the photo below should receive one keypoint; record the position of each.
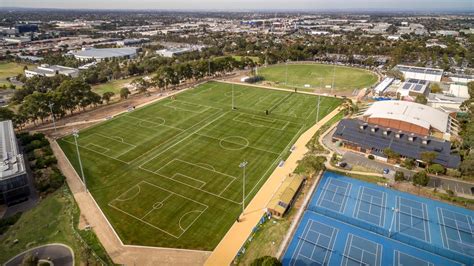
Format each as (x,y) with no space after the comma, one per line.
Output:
(450,192)
(421,179)
(436,169)
(371,157)
(408,163)
(266,261)
(254,79)
(399,176)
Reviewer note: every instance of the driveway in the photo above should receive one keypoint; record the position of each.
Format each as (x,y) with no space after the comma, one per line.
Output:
(58,254)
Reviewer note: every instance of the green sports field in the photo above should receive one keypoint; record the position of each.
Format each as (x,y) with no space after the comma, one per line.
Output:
(168,174)
(299,75)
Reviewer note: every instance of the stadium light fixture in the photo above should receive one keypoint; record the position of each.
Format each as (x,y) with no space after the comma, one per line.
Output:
(394,210)
(243,165)
(52,115)
(75,133)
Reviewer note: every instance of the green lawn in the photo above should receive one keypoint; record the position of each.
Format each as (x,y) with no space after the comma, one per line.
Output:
(346,78)
(253,58)
(168,174)
(51,221)
(113,86)
(11,69)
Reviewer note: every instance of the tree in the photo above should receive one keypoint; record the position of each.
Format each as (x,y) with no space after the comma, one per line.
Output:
(391,154)
(399,176)
(124,92)
(436,169)
(421,179)
(6,114)
(421,99)
(266,261)
(107,96)
(409,163)
(435,88)
(428,156)
(29,260)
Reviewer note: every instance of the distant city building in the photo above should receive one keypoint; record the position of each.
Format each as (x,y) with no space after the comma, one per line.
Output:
(170,52)
(127,42)
(13,177)
(51,71)
(18,40)
(105,53)
(423,73)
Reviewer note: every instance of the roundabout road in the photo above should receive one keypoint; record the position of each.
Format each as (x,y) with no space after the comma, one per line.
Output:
(59,254)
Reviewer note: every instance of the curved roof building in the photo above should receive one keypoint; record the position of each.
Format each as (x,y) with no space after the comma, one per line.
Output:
(411,117)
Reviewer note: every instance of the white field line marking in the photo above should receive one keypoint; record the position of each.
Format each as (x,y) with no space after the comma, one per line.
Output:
(248,146)
(105,155)
(197,180)
(152,122)
(255,124)
(153,206)
(226,187)
(100,147)
(171,193)
(107,137)
(202,190)
(274,162)
(128,198)
(186,162)
(183,139)
(169,105)
(173,139)
(179,222)
(206,165)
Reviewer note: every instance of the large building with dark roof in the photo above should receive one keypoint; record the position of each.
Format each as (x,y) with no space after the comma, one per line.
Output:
(368,138)
(13,177)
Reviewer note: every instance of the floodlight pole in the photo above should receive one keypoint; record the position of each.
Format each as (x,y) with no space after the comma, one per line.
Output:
(233,106)
(243,165)
(395,210)
(75,133)
(286,79)
(52,115)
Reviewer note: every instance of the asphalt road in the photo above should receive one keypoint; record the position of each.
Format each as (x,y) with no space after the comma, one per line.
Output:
(59,254)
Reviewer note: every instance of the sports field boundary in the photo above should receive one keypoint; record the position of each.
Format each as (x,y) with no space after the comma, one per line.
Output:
(235,238)
(119,252)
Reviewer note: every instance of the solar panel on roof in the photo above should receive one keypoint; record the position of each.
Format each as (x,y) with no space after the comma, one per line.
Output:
(407,86)
(418,87)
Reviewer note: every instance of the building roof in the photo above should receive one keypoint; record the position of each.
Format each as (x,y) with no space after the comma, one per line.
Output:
(285,193)
(383,85)
(51,70)
(11,161)
(413,85)
(423,70)
(408,145)
(100,53)
(414,113)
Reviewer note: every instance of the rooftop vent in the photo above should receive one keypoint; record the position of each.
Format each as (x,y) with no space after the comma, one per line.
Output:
(375,128)
(387,132)
(425,141)
(399,135)
(411,137)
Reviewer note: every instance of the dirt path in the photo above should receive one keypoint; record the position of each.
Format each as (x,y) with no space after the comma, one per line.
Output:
(118,252)
(230,245)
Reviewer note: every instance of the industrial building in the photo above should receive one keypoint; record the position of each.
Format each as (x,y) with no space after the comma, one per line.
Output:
(373,139)
(51,71)
(410,117)
(13,176)
(285,195)
(99,54)
(423,73)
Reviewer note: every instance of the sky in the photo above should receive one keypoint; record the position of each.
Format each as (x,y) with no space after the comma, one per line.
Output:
(232,5)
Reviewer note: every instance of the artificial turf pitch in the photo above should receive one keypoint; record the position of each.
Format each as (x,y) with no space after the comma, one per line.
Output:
(168,174)
(319,75)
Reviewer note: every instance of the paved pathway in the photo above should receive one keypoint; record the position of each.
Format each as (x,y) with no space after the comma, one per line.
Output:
(230,245)
(58,254)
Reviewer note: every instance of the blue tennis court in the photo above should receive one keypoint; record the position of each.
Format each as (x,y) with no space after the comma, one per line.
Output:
(350,222)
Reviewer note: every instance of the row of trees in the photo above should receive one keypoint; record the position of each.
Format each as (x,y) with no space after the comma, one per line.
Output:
(467,135)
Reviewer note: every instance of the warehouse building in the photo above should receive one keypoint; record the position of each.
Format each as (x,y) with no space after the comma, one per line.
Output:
(284,197)
(423,73)
(51,71)
(13,177)
(100,54)
(367,138)
(411,117)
